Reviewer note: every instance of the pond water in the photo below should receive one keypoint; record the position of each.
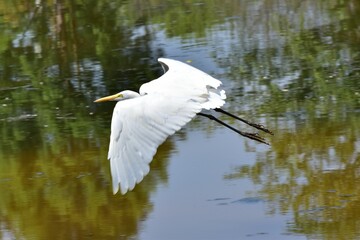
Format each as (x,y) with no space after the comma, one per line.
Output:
(293,66)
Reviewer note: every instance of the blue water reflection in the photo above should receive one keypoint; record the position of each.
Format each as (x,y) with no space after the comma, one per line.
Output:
(197,202)
(292,66)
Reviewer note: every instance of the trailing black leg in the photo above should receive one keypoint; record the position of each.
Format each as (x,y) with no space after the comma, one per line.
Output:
(255,125)
(253,136)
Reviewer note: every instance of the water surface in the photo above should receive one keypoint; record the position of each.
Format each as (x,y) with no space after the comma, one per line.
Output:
(292,66)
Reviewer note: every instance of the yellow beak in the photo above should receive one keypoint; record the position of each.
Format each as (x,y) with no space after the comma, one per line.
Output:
(108,98)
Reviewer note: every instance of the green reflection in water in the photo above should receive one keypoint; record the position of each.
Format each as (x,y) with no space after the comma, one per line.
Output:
(296,71)
(54,177)
(310,88)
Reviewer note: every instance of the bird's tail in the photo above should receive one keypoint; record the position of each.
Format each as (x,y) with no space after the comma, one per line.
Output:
(216,98)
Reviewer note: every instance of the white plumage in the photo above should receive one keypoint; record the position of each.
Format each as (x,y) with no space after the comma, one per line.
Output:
(141,122)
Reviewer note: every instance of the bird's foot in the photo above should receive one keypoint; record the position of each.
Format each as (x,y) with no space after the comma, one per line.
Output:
(256,137)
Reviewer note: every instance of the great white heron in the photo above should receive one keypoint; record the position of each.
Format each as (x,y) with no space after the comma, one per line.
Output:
(142,121)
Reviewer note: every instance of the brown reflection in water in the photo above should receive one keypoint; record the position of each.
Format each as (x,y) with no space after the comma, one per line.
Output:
(294,64)
(312,171)
(68,195)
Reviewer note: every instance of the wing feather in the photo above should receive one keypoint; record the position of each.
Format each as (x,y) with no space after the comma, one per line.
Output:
(184,80)
(139,126)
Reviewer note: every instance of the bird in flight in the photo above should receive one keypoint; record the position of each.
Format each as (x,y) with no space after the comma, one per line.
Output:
(142,121)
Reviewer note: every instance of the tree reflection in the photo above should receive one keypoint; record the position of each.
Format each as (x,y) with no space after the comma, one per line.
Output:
(296,72)
(54,177)
(308,89)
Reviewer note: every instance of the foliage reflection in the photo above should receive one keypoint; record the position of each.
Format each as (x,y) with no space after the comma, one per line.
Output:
(294,65)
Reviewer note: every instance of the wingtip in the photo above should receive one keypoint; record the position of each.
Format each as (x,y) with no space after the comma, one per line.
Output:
(117,187)
(122,192)
(115,190)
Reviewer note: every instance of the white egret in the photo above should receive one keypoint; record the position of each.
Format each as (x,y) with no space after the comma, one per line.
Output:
(142,121)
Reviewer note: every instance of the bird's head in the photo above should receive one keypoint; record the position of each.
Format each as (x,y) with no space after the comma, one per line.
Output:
(127,94)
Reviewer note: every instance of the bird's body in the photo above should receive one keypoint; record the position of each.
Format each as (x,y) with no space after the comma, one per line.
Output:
(142,121)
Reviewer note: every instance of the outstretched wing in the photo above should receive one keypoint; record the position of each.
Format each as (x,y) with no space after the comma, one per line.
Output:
(181,79)
(141,124)
(138,127)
